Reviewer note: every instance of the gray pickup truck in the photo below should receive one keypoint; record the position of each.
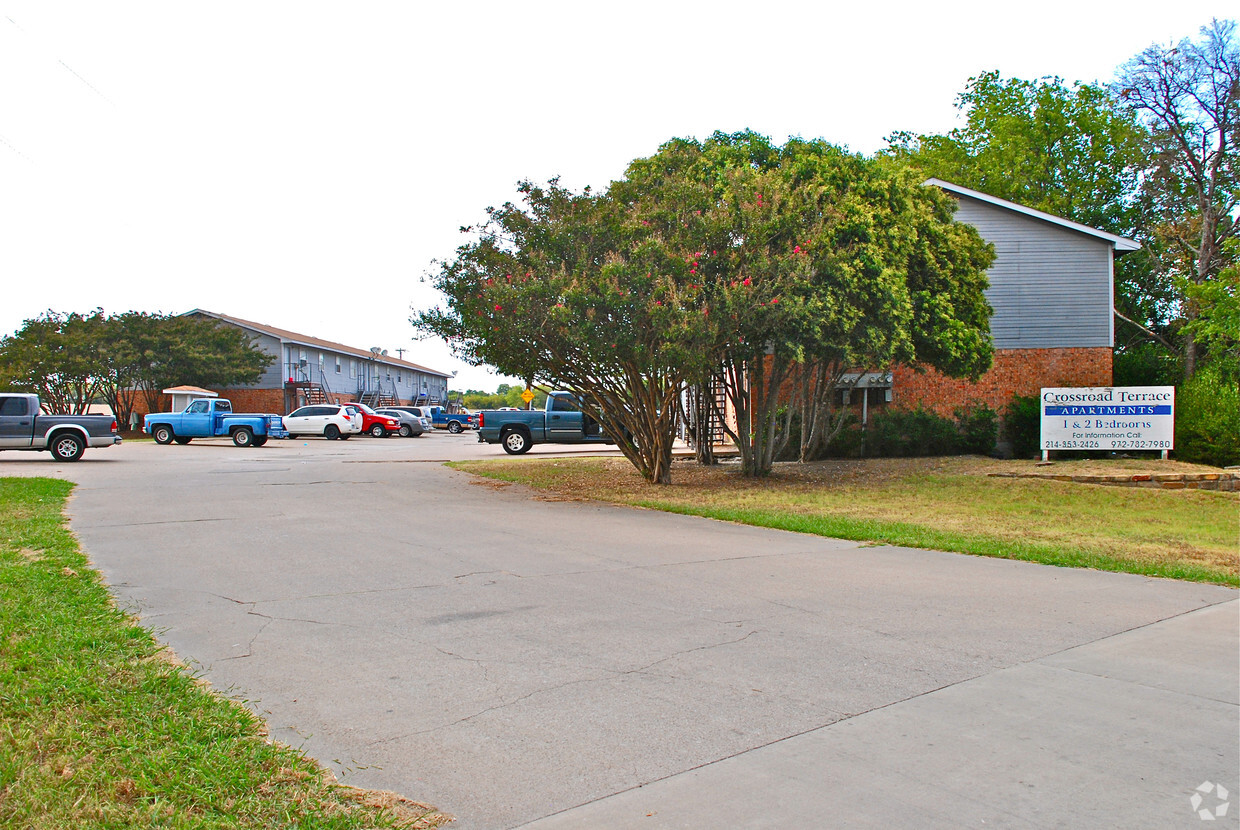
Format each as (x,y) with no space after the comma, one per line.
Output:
(66,437)
(561,423)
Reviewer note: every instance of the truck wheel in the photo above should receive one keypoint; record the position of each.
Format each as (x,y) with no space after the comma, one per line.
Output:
(377,431)
(454,427)
(180,440)
(515,442)
(67,447)
(260,440)
(163,434)
(405,430)
(332,432)
(243,437)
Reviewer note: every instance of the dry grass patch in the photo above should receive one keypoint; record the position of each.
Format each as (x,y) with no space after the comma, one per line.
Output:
(939,503)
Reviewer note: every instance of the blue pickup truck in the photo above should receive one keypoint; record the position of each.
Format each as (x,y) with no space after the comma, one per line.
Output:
(562,422)
(213,419)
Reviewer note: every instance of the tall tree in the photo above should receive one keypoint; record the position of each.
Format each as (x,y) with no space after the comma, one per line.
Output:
(568,291)
(56,356)
(70,359)
(832,264)
(175,349)
(1188,95)
(732,259)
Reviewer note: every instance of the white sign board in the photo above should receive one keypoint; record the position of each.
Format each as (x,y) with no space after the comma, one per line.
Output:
(1109,418)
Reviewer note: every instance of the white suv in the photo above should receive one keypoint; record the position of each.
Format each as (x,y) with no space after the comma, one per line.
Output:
(327,419)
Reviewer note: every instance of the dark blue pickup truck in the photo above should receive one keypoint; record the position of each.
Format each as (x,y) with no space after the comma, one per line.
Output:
(562,422)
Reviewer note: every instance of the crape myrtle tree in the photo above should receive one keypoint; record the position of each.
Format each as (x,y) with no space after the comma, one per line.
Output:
(731,260)
(816,262)
(571,291)
(56,356)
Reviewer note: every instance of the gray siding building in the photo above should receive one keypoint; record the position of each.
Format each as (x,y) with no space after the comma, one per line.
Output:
(1052,291)
(309,369)
(1052,283)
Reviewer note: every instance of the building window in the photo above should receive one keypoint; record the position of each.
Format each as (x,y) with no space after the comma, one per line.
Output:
(352,368)
(337,364)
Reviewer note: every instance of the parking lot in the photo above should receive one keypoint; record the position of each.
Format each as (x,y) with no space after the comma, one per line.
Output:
(517,660)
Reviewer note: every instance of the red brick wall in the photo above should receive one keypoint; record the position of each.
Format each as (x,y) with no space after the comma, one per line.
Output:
(1014,372)
(262,401)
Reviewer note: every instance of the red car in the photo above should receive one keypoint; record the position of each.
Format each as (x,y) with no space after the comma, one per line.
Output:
(380,426)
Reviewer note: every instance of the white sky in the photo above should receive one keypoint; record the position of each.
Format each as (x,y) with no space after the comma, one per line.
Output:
(301,164)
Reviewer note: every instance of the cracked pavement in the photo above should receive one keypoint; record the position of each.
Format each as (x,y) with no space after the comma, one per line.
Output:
(509,659)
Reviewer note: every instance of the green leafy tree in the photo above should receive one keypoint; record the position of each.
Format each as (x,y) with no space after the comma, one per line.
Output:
(123,358)
(175,350)
(567,291)
(812,262)
(56,356)
(732,260)
(1188,95)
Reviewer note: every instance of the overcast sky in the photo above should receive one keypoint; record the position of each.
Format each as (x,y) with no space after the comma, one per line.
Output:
(301,164)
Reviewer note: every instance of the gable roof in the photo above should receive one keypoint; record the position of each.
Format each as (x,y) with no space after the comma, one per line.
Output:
(286,336)
(1120,244)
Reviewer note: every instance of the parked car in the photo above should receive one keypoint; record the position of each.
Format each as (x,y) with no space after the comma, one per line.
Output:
(410,424)
(380,426)
(453,422)
(213,418)
(562,422)
(24,427)
(327,419)
(422,413)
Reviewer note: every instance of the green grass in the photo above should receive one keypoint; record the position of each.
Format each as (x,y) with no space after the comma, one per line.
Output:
(945,504)
(99,729)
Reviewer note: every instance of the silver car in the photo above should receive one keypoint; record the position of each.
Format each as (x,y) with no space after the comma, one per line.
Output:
(411,425)
(419,412)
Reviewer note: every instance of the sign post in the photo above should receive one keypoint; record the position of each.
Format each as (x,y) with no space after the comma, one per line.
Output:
(1108,418)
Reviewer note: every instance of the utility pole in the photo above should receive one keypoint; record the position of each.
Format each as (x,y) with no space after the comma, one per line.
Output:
(401,353)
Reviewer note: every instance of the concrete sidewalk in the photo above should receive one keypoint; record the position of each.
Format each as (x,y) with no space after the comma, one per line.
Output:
(1066,741)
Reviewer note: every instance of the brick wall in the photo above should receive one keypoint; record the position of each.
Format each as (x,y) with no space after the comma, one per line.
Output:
(255,400)
(1014,372)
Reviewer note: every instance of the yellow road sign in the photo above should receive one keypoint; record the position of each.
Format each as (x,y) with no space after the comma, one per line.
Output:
(527,396)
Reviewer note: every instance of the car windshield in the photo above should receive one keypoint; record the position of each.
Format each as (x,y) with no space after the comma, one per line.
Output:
(363,407)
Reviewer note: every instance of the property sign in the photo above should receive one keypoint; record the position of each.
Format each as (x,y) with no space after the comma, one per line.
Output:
(1109,418)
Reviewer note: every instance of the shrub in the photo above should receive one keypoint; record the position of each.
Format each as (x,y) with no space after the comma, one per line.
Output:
(1022,425)
(978,427)
(910,432)
(1207,417)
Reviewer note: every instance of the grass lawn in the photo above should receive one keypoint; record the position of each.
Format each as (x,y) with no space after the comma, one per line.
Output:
(949,504)
(100,728)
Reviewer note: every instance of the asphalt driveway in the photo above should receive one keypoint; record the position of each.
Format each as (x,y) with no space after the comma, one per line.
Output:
(515,660)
